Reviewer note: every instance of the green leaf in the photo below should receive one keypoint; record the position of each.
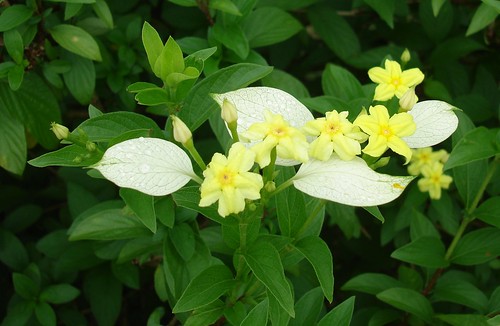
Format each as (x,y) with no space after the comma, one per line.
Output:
(477,247)
(408,300)
(142,205)
(152,96)
(489,211)
(59,293)
(12,252)
(226,6)
(80,79)
(104,292)
(308,308)
(183,239)
(340,315)
(45,314)
(264,261)
(152,44)
(477,144)
(109,224)
(436,6)
(25,286)
(205,288)
(140,86)
(371,283)
(189,197)
(232,37)
(375,212)
(35,105)
(421,226)
(436,27)
(102,11)
(290,206)
(170,60)
(339,82)
(106,127)
(76,40)
(464,320)
(16,76)
(385,9)
(198,105)
(286,82)
(19,313)
(335,31)
(156,316)
(12,143)
(424,251)
(258,315)
(269,25)
(453,49)
(206,315)
(13,42)
(318,254)
(72,155)
(450,288)
(483,16)
(14,16)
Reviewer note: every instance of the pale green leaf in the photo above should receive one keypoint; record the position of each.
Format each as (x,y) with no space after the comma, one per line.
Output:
(76,40)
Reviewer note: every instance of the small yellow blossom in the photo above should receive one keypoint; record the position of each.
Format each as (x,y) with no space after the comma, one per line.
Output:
(386,132)
(392,81)
(61,132)
(335,134)
(228,181)
(182,134)
(425,156)
(290,142)
(433,180)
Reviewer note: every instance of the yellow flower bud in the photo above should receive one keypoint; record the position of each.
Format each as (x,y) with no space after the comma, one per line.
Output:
(60,131)
(406,56)
(182,134)
(408,100)
(229,112)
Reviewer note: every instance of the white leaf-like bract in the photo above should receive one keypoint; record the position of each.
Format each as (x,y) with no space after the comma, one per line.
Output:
(435,122)
(252,102)
(150,165)
(348,182)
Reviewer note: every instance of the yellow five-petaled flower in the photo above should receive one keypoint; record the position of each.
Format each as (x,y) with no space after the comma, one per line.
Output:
(335,134)
(289,141)
(228,181)
(386,132)
(392,81)
(433,180)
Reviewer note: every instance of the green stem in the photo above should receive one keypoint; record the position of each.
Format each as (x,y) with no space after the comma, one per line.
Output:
(269,170)
(489,174)
(243,225)
(319,206)
(282,187)
(194,154)
(457,238)
(234,133)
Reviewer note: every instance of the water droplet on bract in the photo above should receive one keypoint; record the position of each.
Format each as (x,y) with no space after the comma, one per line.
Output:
(144,168)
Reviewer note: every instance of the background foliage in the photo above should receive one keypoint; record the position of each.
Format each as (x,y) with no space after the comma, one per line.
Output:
(431,262)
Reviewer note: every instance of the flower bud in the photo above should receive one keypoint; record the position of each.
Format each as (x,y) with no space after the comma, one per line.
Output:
(182,134)
(90,146)
(229,112)
(406,56)
(60,131)
(408,100)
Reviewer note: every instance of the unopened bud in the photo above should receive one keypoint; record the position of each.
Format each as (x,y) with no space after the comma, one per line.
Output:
(60,131)
(229,112)
(182,134)
(408,100)
(405,56)
(270,186)
(90,146)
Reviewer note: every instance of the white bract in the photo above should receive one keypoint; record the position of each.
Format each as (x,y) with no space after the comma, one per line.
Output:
(153,166)
(435,122)
(348,182)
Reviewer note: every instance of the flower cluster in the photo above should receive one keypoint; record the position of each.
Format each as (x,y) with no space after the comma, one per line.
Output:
(429,164)
(270,127)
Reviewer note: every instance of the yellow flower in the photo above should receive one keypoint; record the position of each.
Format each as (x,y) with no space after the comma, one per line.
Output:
(425,156)
(228,181)
(386,132)
(392,81)
(433,180)
(290,142)
(335,133)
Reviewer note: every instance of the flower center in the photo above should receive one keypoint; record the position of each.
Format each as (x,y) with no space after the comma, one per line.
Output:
(396,81)
(226,177)
(279,131)
(385,131)
(332,128)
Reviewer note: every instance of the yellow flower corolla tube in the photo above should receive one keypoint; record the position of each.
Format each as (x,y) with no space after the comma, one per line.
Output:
(182,134)
(425,156)
(290,142)
(228,181)
(335,134)
(386,132)
(392,81)
(433,180)
(408,100)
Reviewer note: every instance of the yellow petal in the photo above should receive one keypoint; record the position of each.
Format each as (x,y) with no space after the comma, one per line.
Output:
(346,148)
(377,145)
(393,68)
(384,92)
(402,124)
(399,146)
(230,202)
(379,75)
(263,149)
(240,158)
(412,77)
(321,148)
